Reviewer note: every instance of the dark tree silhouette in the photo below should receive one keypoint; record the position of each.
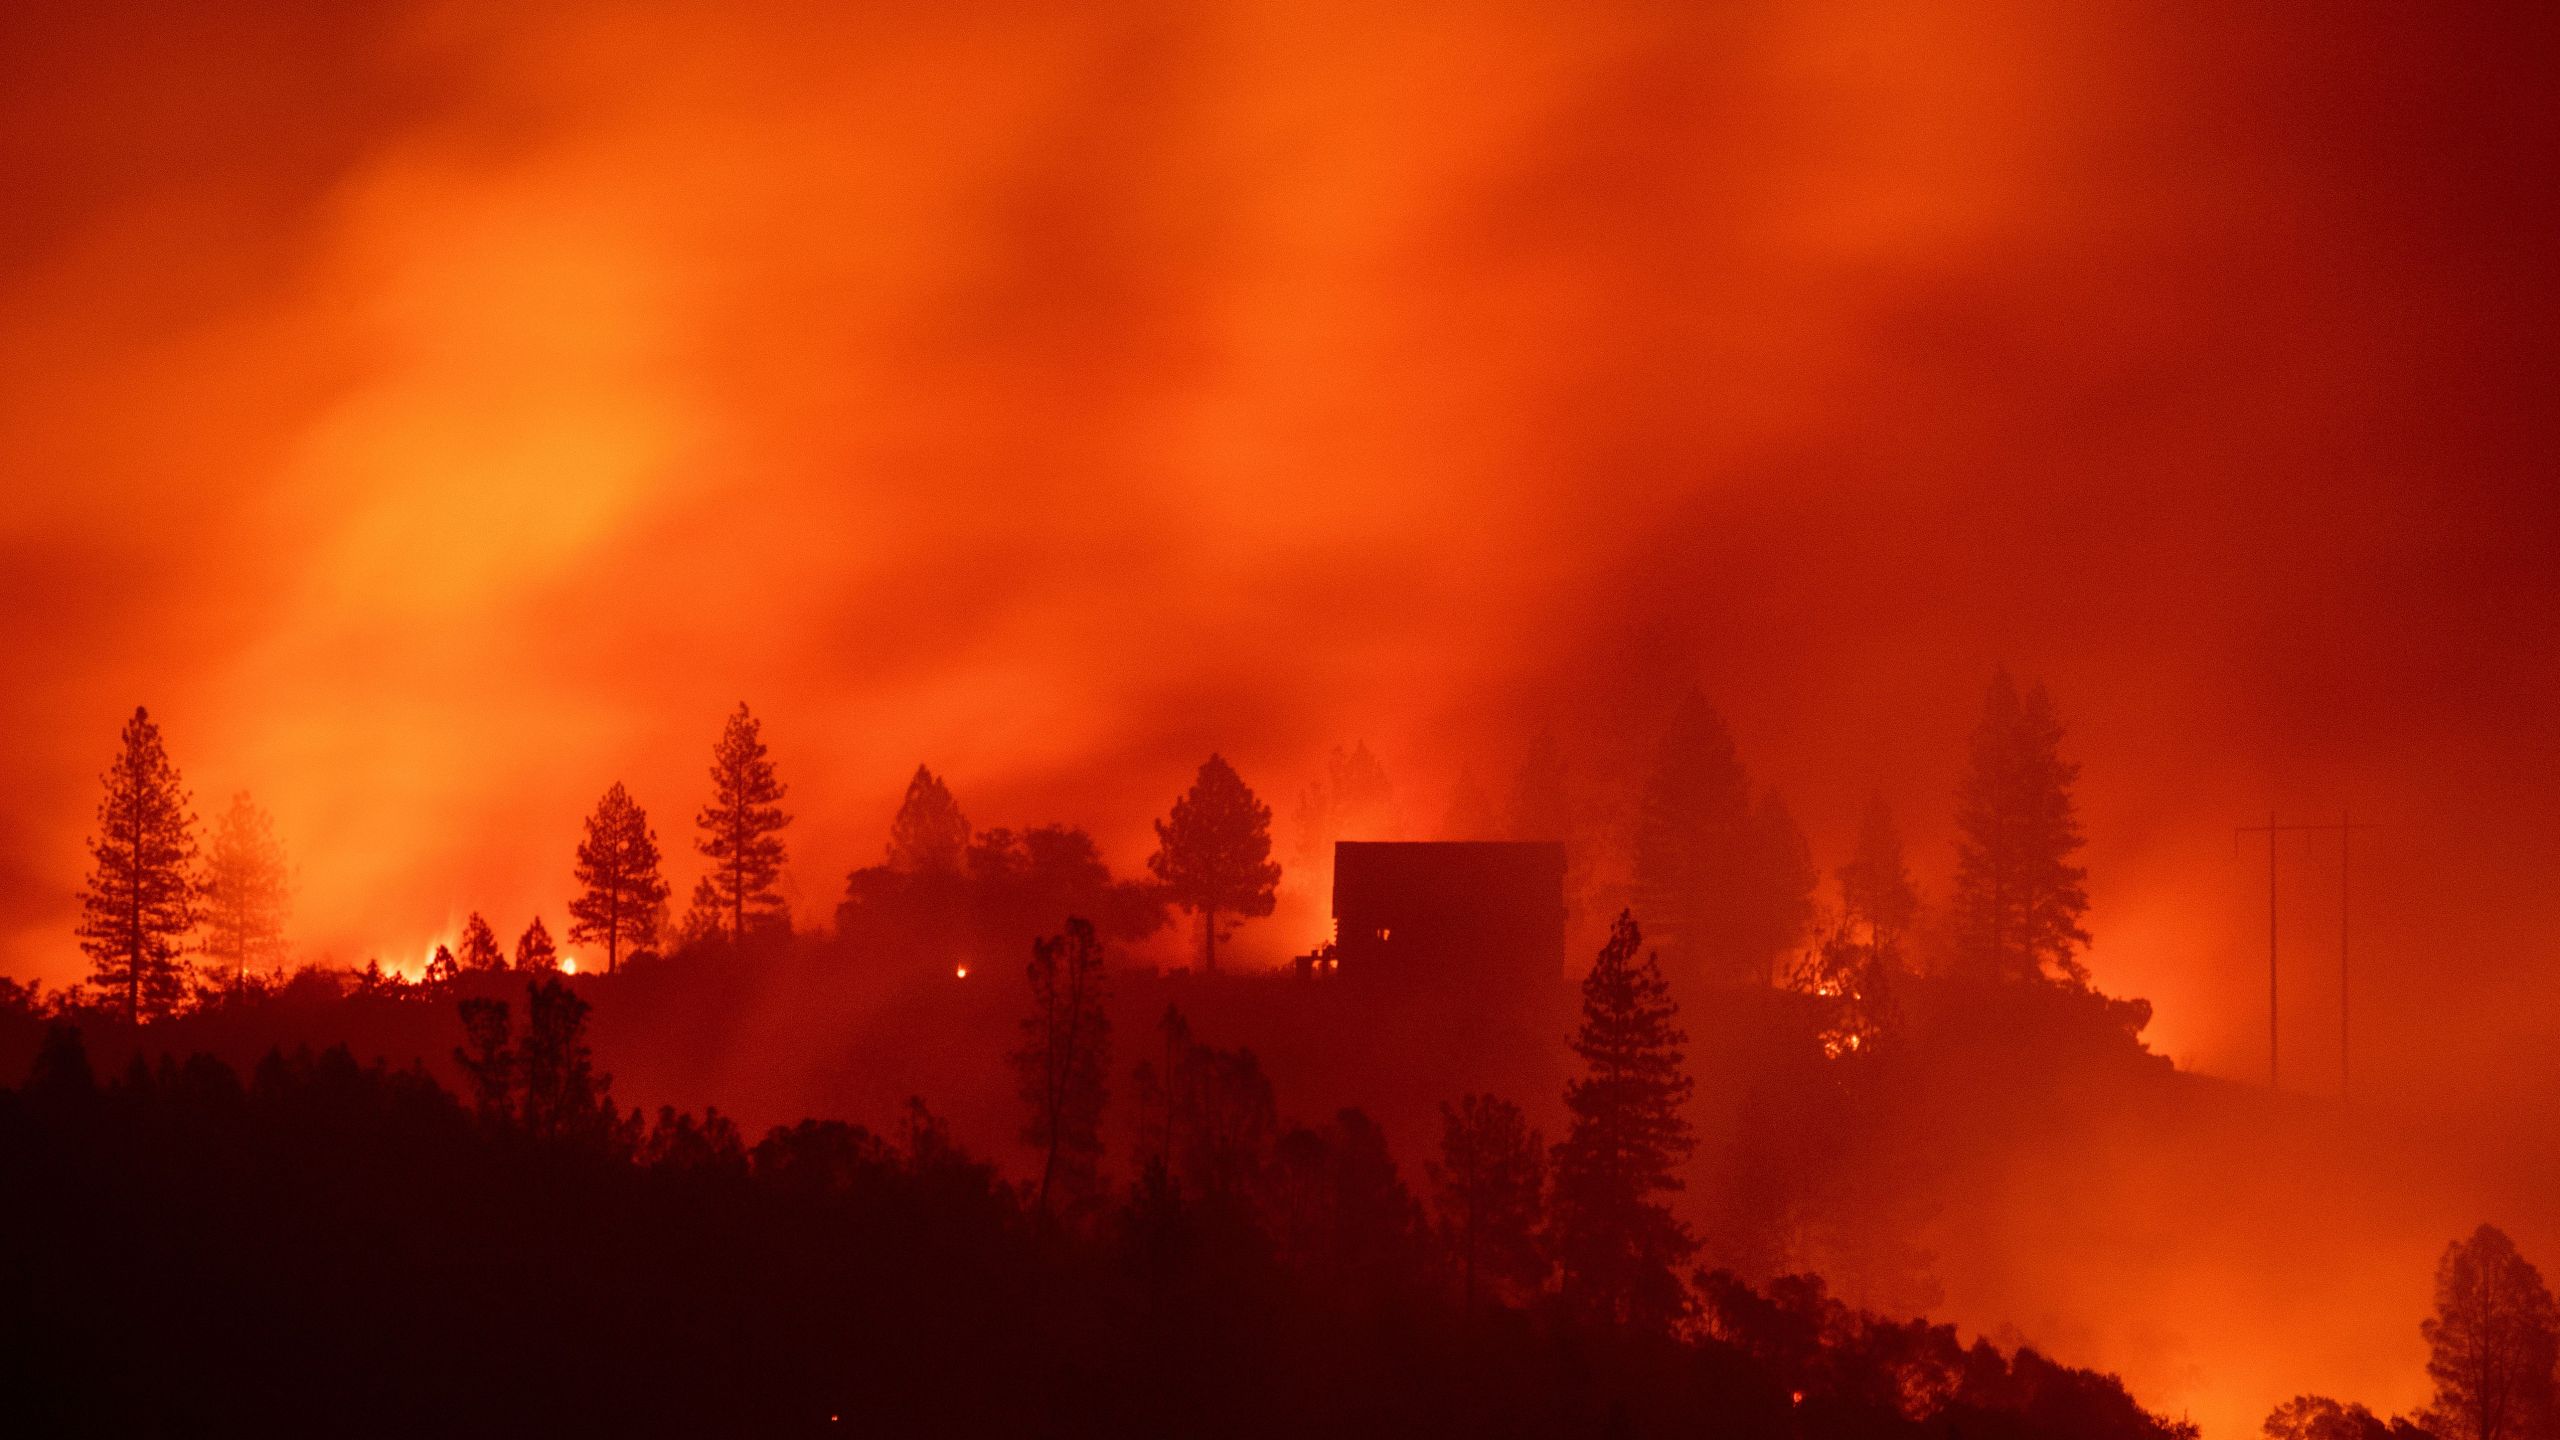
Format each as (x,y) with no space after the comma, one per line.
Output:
(1216,1115)
(442,968)
(598,1279)
(245,892)
(1337,1208)
(1876,893)
(929,834)
(2317,1417)
(621,895)
(2018,898)
(1488,1192)
(1062,1067)
(487,1056)
(535,954)
(1010,891)
(1032,876)
(742,831)
(143,892)
(1851,970)
(1353,800)
(1213,854)
(562,1096)
(543,1082)
(1725,884)
(2492,1343)
(1615,1241)
(479,953)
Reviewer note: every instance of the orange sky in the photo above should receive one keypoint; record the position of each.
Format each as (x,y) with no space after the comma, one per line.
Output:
(436,412)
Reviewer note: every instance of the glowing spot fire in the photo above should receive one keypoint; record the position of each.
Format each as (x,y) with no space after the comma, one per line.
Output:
(568,964)
(960,972)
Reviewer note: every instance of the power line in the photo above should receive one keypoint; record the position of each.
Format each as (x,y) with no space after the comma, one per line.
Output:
(2345,828)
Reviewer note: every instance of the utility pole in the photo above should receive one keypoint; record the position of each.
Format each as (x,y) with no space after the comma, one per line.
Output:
(2345,827)
(2271,830)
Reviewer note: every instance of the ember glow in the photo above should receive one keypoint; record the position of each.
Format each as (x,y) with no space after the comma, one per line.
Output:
(436,413)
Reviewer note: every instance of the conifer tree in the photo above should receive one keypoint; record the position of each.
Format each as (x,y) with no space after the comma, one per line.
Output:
(742,830)
(1725,884)
(623,898)
(245,892)
(1876,893)
(1213,853)
(479,952)
(561,1096)
(1062,1065)
(535,954)
(929,836)
(143,893)
(2491,1344)
(1615,1240)
(2018,899)
(1489,1189)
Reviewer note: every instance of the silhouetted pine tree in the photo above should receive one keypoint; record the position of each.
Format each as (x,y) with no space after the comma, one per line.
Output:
(561,1094)
(1777,909)
(487,1056)
(1061,1069)
(1615,1241)
(622,897)
(143,892)
(479,950)
(1723,884)
(1213,853)
(245,892)
(742,830)
(535,954)
(1876,894)
(2018,899)
(929,836)
(1489,1190)
(2491,1344)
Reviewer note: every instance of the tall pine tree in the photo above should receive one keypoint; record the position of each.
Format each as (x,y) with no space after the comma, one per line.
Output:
(143,892)
(535,954)
(2018,898)
(1213,853)
(1876,893)
(1725,884)
(929,836)
(479,952)
(246,892)
(1062,1067)
(621,896)
(1616,1242)
(1489,1189)
(742,831)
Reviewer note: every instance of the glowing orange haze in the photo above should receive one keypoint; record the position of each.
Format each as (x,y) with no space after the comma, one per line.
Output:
(436,415)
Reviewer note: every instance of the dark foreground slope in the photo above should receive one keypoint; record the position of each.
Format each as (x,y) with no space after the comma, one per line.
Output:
(334,1248)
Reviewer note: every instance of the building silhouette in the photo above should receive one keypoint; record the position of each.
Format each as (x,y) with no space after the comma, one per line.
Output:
(1466,916)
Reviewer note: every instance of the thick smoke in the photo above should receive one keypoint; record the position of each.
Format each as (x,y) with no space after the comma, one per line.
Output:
(437,412)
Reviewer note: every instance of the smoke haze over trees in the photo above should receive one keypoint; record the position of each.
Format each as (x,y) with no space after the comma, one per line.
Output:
(437,417)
